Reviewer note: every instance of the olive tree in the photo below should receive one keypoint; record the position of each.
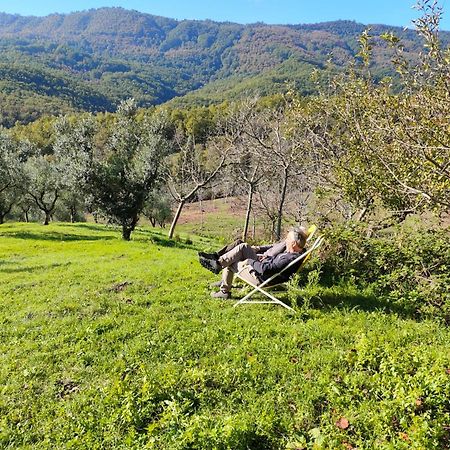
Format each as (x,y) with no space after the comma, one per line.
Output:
(10,175)
(43,183)
(118,174)
(158,208)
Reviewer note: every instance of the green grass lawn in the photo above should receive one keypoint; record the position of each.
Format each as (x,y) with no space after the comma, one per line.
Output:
(111,344)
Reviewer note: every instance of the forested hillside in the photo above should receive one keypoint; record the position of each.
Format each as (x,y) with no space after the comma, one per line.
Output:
(92,60)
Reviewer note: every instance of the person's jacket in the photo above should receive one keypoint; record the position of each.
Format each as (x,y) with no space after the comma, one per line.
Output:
(271,265)
(271,250)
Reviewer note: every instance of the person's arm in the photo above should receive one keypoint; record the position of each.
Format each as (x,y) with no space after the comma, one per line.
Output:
(271,265)
(261,248)
(275,249)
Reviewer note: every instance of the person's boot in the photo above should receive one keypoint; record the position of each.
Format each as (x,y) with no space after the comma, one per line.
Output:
(224,295)
(210,264)
(216,284)
(208,255)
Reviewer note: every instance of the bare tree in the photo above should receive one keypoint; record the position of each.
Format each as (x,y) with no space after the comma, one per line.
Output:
(278,147)
(194,167)
(246,165)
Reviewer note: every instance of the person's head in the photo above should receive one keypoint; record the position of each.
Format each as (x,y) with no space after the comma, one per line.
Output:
(296,239)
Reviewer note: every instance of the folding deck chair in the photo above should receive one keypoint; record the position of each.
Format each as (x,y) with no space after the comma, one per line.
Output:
(266,284)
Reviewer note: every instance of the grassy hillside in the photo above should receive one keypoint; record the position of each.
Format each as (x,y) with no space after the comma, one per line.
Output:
(113,344)
(219,219)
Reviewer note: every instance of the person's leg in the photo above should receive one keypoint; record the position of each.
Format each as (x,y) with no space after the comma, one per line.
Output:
(222,251)
(228,262)
(239,253)
(246,272)
(229,247)
(227,279)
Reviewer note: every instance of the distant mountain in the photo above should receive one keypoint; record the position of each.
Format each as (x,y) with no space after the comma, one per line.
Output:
(91,60)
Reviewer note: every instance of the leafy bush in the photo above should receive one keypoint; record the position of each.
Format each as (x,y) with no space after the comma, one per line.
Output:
(409,266)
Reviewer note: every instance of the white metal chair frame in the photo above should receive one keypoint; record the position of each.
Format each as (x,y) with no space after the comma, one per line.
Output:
(266,283)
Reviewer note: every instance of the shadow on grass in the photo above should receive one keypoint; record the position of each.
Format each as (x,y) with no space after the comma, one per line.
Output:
(157,239)
(332,298)
(54,236)
(361,302)
(3,263)
(99,228)
(33,268)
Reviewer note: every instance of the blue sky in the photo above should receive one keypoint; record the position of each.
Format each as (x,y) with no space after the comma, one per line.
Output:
(391,12)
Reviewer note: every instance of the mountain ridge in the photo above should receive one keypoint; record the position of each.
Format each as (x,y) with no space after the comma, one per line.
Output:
(113,53)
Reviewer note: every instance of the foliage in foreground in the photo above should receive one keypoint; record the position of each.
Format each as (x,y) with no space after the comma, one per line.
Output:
(113,344)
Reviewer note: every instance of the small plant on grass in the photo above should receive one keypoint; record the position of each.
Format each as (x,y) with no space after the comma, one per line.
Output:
(304,288)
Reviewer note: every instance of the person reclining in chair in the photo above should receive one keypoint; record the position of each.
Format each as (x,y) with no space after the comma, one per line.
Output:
(254,267)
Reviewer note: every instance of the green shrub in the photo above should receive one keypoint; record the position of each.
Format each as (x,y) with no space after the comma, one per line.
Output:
(409,266)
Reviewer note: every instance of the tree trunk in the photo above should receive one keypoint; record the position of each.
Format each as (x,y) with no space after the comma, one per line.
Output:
(5,212)
(175,219)
(72,215)
(363,211)
(47,218)
(254,227)
(281,205)
(274,226)
(27,219)
(127,229)
(126,233)
(247,214)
